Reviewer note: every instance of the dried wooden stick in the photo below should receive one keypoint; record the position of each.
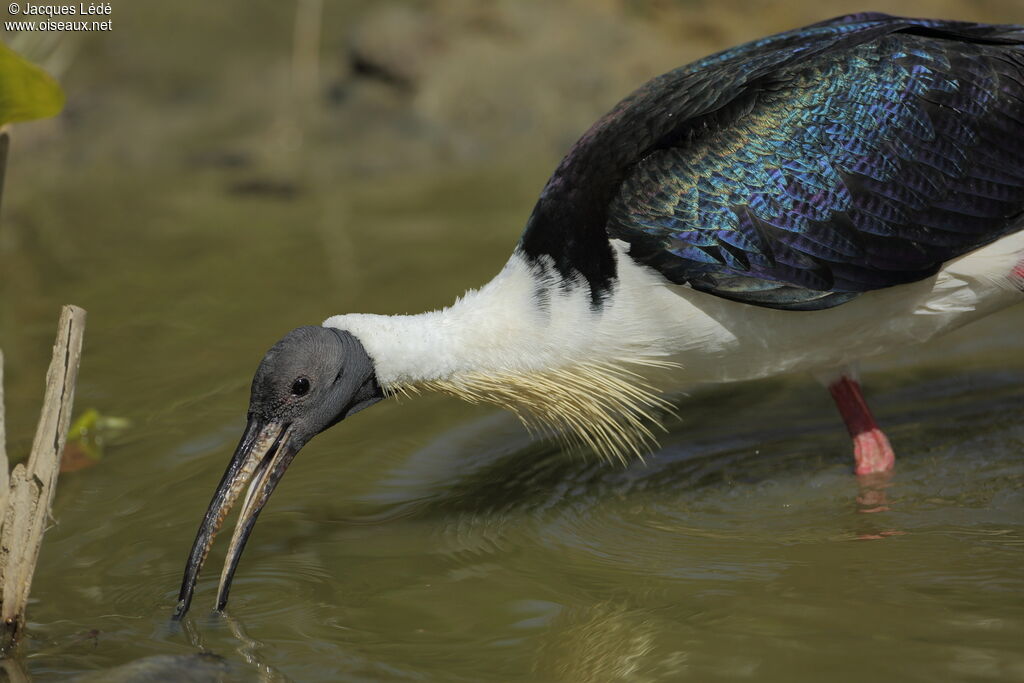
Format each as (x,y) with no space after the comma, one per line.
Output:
(4,475)
(33,484)
(5,143)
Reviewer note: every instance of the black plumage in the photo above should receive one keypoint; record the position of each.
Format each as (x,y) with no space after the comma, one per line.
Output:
(800,170)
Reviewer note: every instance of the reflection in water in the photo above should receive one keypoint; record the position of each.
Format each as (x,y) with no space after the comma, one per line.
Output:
(872,498)
(249,650)
(197,628)
(610,642)
(202,667)
(14,670)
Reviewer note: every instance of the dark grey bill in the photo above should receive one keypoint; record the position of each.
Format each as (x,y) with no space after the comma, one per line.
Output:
(312,379)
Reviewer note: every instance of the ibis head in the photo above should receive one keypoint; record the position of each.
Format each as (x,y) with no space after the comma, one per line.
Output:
(310,380)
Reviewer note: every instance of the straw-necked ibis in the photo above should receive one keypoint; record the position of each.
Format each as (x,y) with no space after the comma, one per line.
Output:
(793,204)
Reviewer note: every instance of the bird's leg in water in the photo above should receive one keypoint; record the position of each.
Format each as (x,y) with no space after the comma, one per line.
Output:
(871,449)
(1017,275)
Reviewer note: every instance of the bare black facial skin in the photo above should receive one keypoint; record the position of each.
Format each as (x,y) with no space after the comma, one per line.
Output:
(312,379)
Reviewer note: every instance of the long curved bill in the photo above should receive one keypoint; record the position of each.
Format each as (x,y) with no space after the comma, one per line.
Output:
(262,456)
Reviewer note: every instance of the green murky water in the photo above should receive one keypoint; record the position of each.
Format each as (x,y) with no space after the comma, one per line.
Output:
(430,540)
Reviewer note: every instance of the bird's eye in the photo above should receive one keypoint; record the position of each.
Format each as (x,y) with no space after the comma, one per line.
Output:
(300,387)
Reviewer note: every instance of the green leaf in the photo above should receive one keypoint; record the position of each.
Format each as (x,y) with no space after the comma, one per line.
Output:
(26,91)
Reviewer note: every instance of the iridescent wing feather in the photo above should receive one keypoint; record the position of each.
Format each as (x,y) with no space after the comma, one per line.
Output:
(804,169)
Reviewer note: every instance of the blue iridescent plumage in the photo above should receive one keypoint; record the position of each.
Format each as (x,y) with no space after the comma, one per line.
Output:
(805,168)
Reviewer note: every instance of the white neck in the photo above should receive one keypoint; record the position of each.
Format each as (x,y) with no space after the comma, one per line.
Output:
(525,320)
(532,343)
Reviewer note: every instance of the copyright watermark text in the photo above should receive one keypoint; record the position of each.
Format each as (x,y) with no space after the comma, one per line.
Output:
(83,16)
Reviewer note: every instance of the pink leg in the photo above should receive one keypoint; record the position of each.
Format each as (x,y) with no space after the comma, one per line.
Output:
(871,449)
(1017,275)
